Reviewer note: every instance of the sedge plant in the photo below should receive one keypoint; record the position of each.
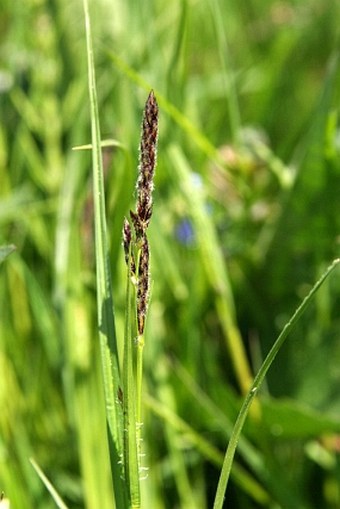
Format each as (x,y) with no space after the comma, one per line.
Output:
(137,257)
(123,392)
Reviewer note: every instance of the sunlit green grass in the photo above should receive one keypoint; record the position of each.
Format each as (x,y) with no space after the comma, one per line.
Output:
(246,219)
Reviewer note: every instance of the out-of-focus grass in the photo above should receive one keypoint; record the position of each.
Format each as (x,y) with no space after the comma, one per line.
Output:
(250,114)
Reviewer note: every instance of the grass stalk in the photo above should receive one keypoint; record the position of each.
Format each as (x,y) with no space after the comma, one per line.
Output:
(139,385)
(137,257)
(231,449)
(53,492)
(106,325)
(129,398)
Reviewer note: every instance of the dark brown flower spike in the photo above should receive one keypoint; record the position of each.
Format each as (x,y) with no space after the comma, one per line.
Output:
(147,164)
(135,242)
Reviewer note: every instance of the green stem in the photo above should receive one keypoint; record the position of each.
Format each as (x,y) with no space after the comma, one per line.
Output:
(131,467)
(139,376)
(139,381)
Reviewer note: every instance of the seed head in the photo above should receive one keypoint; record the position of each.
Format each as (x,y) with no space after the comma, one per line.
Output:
(147,164)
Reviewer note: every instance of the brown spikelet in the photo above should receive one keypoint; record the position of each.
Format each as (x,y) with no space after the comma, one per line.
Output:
(143,285)
(134,235)
(127,239)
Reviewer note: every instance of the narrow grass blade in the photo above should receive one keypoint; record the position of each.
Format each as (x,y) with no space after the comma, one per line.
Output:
(229,456)
(53,492)
(103,144)
(107,335)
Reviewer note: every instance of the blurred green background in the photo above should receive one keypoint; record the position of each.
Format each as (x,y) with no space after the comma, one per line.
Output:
(246,218)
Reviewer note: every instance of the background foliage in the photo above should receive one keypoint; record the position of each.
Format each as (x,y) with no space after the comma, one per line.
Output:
(246,217)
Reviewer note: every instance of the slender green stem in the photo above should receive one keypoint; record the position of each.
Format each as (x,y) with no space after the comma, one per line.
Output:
(229,456)
(56,497)
(131,467)
(139,372)
(139,381)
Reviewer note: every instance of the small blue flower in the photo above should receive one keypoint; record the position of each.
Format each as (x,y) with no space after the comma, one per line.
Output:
(185,233)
